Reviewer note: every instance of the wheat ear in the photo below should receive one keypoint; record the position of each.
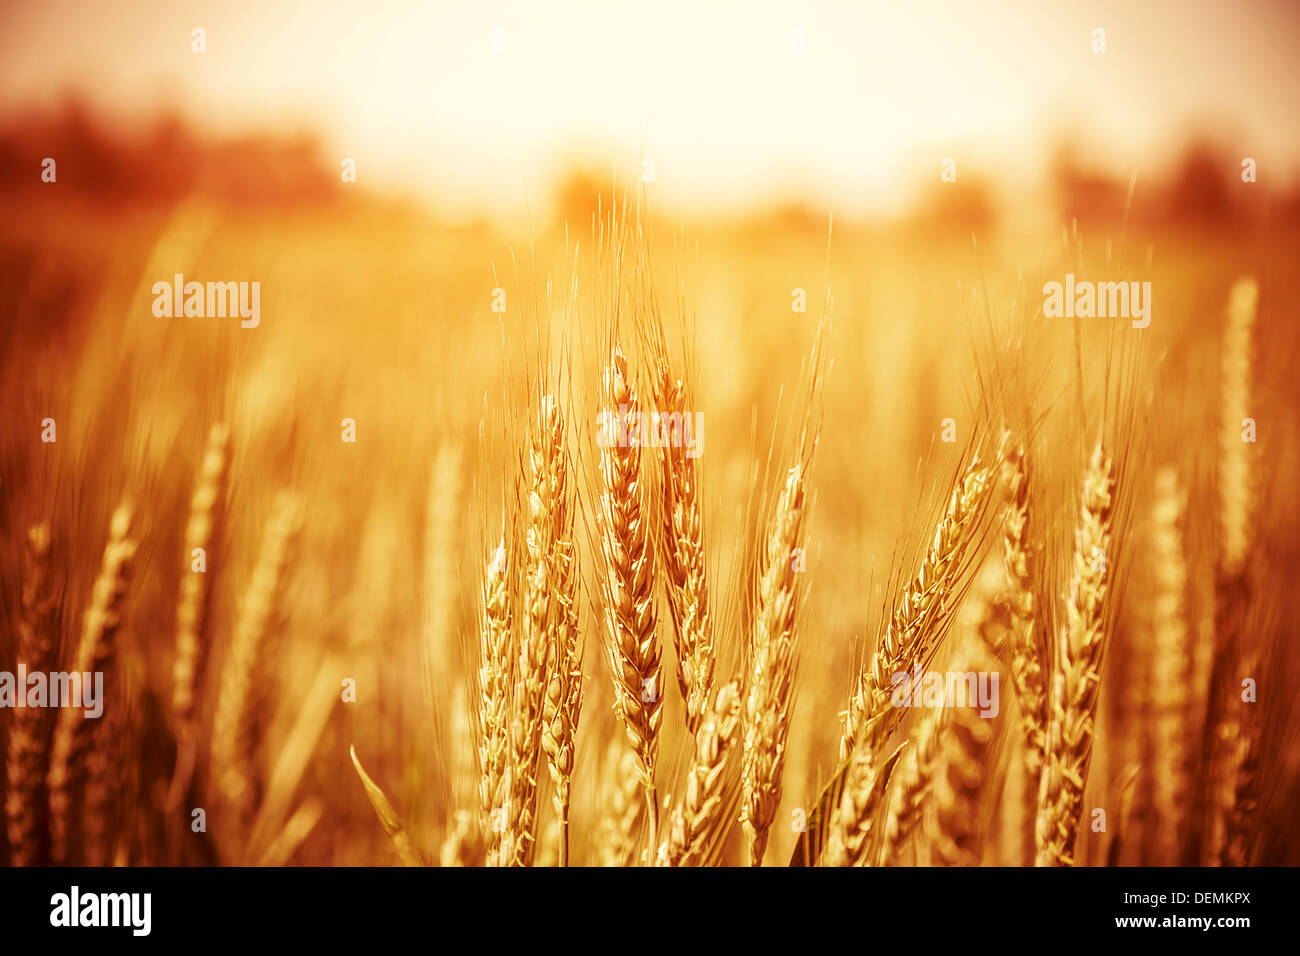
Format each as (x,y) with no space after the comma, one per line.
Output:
(1171,671)
(631,640)
(910,784)
(73,732)
(548,528)
(252,644)
(772,662)
(1229,734)
(621,804)
(966,760)
(494,680)
(1236,459)
(682,543)
(854,822)
(27,759)
(191,613)
(698,814)
(192,610)
(1081,647)
(563,704)
(1018,601)
(914,628)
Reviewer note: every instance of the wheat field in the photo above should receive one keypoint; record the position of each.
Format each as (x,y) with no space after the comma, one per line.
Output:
(588,547)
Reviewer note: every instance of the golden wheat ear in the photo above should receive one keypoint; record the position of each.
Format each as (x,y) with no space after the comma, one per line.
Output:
(770,681)
(621,806)
(962,790)
(922,612)
(1171,671)
(699,815)
(240,696)
(1081,648)
(910,786)
(193,639)
(494,677)
(631,635)
(27,758)
(1027,659)
(1230,737)
(73,732)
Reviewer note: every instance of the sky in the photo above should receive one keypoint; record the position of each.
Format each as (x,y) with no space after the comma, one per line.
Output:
(719,95)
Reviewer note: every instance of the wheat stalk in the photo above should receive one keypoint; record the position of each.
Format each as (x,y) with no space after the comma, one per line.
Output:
(772,663)
(95,652)
(26,759)
(631,640)
(1081,647)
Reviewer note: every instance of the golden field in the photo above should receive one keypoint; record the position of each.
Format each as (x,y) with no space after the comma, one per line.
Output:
(349,585)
